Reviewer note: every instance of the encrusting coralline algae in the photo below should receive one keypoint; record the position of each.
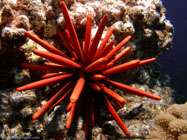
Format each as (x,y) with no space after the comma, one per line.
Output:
(143,19)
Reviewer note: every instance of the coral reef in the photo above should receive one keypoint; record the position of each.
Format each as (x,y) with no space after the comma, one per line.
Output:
(90,71)
(151,34)
(171,125)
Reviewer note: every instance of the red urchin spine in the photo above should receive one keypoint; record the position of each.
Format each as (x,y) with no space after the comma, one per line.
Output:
(57,59)
(44,82)
(116,117)
(89,71)
(97,38)
(71,29)
(121,54)
(88,35)
(118,47)
(52,101)
(78,89)
(103,43)
(65,40)
(44,44)
(133,90)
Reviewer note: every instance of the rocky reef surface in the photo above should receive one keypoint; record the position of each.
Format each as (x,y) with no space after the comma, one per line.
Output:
(171,124)
(151,34)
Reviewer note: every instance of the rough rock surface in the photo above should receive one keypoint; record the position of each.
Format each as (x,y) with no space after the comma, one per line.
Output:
(143,19)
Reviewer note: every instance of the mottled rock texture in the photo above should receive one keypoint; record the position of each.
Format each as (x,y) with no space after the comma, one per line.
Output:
(152,34)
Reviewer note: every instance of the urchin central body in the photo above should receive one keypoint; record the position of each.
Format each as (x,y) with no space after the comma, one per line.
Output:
(83,73)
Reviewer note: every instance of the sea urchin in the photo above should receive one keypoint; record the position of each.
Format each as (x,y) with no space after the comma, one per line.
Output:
(83,73)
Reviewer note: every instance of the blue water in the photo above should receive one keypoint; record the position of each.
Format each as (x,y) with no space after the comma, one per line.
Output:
(174,62)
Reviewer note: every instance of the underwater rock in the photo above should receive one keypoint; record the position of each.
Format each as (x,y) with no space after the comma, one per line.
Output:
(145,20)
(22,21)
(50,29)
(38,22)
(26,111)
(14,132)
(6,15)
(12,34)
(21,76)
(109,129)
(17,99)
(5,107)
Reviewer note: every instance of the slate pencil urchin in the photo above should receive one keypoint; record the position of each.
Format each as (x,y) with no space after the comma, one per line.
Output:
(83,74)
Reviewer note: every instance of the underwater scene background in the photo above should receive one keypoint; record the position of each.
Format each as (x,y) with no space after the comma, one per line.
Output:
(174,61)
(93,69)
